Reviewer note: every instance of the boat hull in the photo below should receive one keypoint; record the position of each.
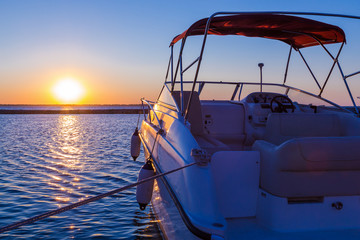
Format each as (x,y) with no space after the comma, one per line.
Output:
(174,223)
(169,218)
(173,226)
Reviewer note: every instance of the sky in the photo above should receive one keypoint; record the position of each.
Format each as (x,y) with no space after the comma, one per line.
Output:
(119,50)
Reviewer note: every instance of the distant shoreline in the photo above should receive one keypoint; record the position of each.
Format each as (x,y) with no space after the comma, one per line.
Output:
(72,111)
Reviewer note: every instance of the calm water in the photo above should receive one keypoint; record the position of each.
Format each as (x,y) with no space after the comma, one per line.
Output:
(67,107)
(49,161)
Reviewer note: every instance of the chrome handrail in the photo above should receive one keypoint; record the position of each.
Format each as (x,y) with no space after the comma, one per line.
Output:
(152,109)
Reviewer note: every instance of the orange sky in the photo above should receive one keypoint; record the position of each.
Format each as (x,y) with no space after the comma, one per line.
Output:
(118,50)
(99,88)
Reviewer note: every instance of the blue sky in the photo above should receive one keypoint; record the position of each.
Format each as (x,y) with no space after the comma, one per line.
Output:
(117,49)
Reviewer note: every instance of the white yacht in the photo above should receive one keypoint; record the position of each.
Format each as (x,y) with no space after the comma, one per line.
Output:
(273,161)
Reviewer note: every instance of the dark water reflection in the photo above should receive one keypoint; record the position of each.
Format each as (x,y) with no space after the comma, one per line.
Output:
(49,161)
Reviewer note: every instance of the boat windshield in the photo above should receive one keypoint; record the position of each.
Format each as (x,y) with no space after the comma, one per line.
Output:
(231,91)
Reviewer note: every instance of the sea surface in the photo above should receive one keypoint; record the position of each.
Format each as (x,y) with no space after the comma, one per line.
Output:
(67,107)
(50,161)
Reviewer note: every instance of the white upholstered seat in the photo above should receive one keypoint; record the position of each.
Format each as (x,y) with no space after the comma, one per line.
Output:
(281,127)
(305,155)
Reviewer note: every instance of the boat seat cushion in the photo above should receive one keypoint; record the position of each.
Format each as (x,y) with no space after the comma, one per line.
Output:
(281,127)
(350,125)
(311,166)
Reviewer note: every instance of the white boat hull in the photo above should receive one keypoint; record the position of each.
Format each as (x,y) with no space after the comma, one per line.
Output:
(258,160)
(249,212)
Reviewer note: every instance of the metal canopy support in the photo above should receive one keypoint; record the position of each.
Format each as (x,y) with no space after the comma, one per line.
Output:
(320,43)
(181,86)
(332,68)
(178,63)
(342,75)
(326,48)
(168,68)
(172,65)
(190,65)
(199,63)
(328,52)
(241,87)
(335,61)
(201,86)
(235,91)
(353,74)
(287,65)
(307,65)
(348,89)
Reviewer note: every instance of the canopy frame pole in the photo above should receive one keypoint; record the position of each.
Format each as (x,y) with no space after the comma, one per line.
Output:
(331,70)
(307,65)
(172,65)
(235,91)
(287,65)
(321,44)
(352,74)
(241,88)
(316,39)
(199,63)
(168,68)
(348,89)
(328,52)
(191,64)
(181,86)
(178,63)
(201,86)
(341,72)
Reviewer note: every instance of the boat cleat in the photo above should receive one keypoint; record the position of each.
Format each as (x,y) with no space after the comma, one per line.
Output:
(200,156)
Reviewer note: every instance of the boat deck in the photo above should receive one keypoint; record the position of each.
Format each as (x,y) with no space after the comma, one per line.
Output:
(247,228)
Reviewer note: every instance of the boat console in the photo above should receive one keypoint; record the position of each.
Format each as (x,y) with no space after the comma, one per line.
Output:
(263,97)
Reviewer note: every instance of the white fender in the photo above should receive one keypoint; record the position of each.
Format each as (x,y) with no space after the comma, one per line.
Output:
(135,144)
(144,191)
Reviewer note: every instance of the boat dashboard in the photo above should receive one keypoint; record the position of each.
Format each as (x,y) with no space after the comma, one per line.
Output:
(271,102)
(239,123)
(261,97)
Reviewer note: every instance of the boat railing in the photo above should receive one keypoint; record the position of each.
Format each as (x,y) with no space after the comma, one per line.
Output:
(238,89)
(151,109)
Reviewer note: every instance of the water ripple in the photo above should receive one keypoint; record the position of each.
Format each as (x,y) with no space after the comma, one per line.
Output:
(49,161)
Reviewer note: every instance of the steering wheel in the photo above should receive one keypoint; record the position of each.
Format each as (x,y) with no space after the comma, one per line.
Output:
(281,103)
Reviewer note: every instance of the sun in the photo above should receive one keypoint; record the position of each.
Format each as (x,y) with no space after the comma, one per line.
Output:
(68,90)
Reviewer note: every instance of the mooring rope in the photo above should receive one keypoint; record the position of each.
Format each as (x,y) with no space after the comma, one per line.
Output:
(86,201)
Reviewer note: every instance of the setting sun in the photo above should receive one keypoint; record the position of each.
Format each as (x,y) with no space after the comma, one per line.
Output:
(68,90)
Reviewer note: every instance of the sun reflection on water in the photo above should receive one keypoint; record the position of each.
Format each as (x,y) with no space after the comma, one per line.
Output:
(67,154)
(51,161)
(55,177)
(62,199)
(68,141)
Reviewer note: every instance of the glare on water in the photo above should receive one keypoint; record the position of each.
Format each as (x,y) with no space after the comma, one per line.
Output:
(49,161)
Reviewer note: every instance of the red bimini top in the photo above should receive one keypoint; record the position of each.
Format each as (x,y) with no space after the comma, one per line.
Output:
(295,31)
